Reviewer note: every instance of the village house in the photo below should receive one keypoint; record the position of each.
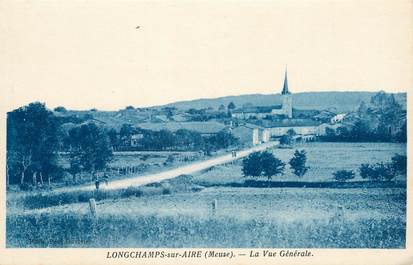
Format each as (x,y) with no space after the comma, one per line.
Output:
(204,128)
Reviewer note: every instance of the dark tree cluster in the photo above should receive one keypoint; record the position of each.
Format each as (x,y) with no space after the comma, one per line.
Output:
(262,164)
(32,144)
(265,164)
(35,137)
(205,115)
(383,120)
(344,175)
(384,171)
(165,140)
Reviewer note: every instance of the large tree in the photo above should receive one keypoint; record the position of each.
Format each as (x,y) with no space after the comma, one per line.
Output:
(262,164)
(32,142)
(186,139)
(114,139)
(91,150)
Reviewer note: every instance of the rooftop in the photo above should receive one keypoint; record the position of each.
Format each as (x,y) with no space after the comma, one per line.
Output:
(289,123)
(257,109)
(201,127)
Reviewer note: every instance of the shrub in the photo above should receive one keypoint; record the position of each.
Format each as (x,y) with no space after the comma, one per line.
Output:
(166,191)
(344,175)
(285,140)
(384,171)
(367,171)
(131,191)
(399,163)
(378,172)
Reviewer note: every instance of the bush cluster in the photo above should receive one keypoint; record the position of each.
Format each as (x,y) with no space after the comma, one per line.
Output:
(379,171)
(344,175)
(384,171)
(41,200)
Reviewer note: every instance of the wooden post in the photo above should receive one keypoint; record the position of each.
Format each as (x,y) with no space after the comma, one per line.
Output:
(214,206)
(92,206)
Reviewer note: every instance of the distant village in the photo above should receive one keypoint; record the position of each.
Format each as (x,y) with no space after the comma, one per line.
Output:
(249,124)
(43,142)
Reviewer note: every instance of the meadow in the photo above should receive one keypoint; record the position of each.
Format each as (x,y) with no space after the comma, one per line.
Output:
(323,159)
(179,212)
(244,217)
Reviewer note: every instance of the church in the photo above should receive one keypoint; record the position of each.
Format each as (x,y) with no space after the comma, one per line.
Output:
(285,110)
(287,101)
(267,122)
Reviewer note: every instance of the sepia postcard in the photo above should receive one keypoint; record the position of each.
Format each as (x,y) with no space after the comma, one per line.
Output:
(206,132)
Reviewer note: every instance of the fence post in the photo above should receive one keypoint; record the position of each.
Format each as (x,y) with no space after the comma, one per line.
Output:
(92,206)
(214,206)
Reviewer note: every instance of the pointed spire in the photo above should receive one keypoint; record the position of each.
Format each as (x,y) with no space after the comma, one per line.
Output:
(285,86)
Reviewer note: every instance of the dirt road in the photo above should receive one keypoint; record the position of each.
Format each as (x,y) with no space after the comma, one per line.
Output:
(188,169)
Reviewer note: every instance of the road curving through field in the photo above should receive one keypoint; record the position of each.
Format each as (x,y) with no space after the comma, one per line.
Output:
(172,173)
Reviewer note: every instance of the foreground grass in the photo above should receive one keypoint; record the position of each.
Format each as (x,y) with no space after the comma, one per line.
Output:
(74,230)
(182,183)
(245,217)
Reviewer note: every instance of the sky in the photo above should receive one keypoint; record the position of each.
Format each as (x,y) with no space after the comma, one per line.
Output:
(89,54)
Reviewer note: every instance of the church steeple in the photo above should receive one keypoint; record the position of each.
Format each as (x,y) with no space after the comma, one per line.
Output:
(285,86)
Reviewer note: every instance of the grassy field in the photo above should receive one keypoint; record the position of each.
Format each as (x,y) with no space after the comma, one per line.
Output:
(244,217)
(322,158)
(373,218)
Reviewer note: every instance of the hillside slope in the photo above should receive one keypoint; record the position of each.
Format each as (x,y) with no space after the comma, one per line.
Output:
(342,101)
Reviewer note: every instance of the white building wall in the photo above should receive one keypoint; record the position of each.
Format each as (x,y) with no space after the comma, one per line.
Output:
(244,116)
(303,130)
(266,135)
(255,137)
